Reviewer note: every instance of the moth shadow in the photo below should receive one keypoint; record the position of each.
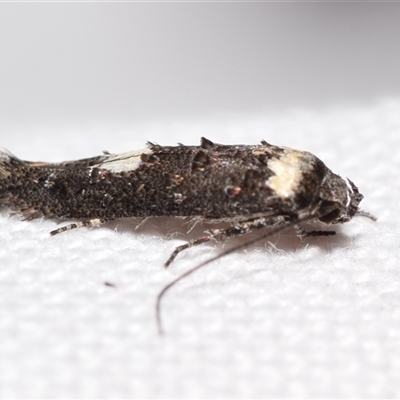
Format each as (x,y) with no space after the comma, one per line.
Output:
(287,240)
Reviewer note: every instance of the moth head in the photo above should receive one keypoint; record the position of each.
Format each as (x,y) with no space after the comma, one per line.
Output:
(339,199)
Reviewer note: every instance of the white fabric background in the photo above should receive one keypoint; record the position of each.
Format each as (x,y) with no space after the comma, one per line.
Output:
(281,319)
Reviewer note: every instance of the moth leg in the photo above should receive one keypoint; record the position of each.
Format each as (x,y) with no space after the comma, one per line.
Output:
(240,228)
(79,224)
(302,233)
(185,246)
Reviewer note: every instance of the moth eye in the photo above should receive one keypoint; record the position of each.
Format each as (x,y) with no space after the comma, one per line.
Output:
(331,217)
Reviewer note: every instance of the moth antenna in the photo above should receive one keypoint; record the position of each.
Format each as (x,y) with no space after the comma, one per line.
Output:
(271,232)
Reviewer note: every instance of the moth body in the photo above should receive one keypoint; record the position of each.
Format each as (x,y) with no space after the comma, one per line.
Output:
(250,187)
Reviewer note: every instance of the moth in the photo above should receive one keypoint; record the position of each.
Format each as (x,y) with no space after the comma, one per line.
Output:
(251,187)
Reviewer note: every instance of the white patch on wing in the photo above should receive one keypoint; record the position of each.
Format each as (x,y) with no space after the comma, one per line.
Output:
(288,170)
(123,162)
